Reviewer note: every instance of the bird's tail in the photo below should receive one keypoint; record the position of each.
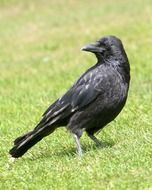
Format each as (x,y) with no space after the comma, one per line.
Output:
(25,142)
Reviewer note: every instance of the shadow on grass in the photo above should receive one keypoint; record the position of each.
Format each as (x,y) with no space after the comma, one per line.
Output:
(70,152)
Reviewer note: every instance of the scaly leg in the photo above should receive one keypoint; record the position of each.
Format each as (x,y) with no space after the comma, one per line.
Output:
(95,139)
(77,140)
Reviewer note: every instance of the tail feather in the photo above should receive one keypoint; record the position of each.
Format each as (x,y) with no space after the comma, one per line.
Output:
(23,143)
(21,138)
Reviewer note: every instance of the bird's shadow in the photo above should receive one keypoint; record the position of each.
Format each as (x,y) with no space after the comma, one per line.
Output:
(71,152)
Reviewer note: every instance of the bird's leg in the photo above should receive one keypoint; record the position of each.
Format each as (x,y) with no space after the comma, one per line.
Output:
(95,139)
(77,140)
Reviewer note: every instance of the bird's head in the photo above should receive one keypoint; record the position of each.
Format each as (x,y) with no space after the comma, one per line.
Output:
(108,47)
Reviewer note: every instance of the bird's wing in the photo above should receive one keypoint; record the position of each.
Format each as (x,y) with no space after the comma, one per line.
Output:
(82,93)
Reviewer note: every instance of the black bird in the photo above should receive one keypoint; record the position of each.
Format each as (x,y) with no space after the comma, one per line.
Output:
(94,100)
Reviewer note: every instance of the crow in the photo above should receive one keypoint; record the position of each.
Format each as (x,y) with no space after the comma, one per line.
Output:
(93,101)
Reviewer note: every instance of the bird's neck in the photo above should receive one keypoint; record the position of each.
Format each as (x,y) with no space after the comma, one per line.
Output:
(124,69)
(121,65)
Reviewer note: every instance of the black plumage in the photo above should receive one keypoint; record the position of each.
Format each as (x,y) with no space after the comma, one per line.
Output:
(94,100)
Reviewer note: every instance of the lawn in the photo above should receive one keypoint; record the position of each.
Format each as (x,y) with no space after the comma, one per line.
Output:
(40,58)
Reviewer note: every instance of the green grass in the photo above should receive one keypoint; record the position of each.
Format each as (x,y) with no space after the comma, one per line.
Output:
(40,58)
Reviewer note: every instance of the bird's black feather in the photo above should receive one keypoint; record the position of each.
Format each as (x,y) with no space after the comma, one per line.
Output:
(94,100)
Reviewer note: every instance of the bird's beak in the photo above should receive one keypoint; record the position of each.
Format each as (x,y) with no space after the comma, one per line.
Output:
(94,48)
